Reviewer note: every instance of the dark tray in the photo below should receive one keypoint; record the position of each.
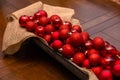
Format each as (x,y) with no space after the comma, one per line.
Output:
(82,75)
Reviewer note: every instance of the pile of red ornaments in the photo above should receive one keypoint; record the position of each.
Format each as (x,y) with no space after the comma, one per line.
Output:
(74,44)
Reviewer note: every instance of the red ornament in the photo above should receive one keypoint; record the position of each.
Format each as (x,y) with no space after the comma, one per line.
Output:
(57,44)
(117,62)
(92,51)
(76,39)
(97,70)
(30,26)
(43,21)
(67,41)
(111,50)
(67,50)
(68,23)
(56,21)
(89,44)
(40,14)
(64,34)
(85,36)
(23,19)
(55,35)
(94,59)
(86,63)
(39,30)
(107,62)
(64,27)
(78,58)
(116,70)
(49,29)
(106,75)
(98,43)
(47,37)
(76,28)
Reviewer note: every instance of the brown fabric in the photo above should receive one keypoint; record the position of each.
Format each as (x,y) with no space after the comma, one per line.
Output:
(14,35)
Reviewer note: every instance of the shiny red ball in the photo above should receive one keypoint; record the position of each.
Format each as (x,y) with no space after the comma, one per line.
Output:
(48,38)
(76,39)
(49,29)
(116,70)
(57,44)
(68,51)
(98,43)
(40,31)
(76,28)
(30,26)
(23,19)
(43,21)
(86,63)
(94,59)
(64,34)
(97,70)
(78,58)
(40,14)
(106,75)
(56,21)
(55,35)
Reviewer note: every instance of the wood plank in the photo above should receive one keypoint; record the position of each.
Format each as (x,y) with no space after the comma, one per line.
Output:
(90,11)
(38,69)
(39,72)
(80,8)
(113,31)
(11,68)
(108,3)
(18,4)
(12,77)
(100,20)
(104,25)
(5,61)
(46,72)
(6,8)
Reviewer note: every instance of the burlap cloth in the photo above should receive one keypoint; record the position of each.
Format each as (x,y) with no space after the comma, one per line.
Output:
(14,35)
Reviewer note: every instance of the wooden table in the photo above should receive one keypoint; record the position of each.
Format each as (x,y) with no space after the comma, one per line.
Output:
(31,63)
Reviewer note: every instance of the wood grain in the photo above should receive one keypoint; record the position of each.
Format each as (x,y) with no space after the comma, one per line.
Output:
(98,17)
